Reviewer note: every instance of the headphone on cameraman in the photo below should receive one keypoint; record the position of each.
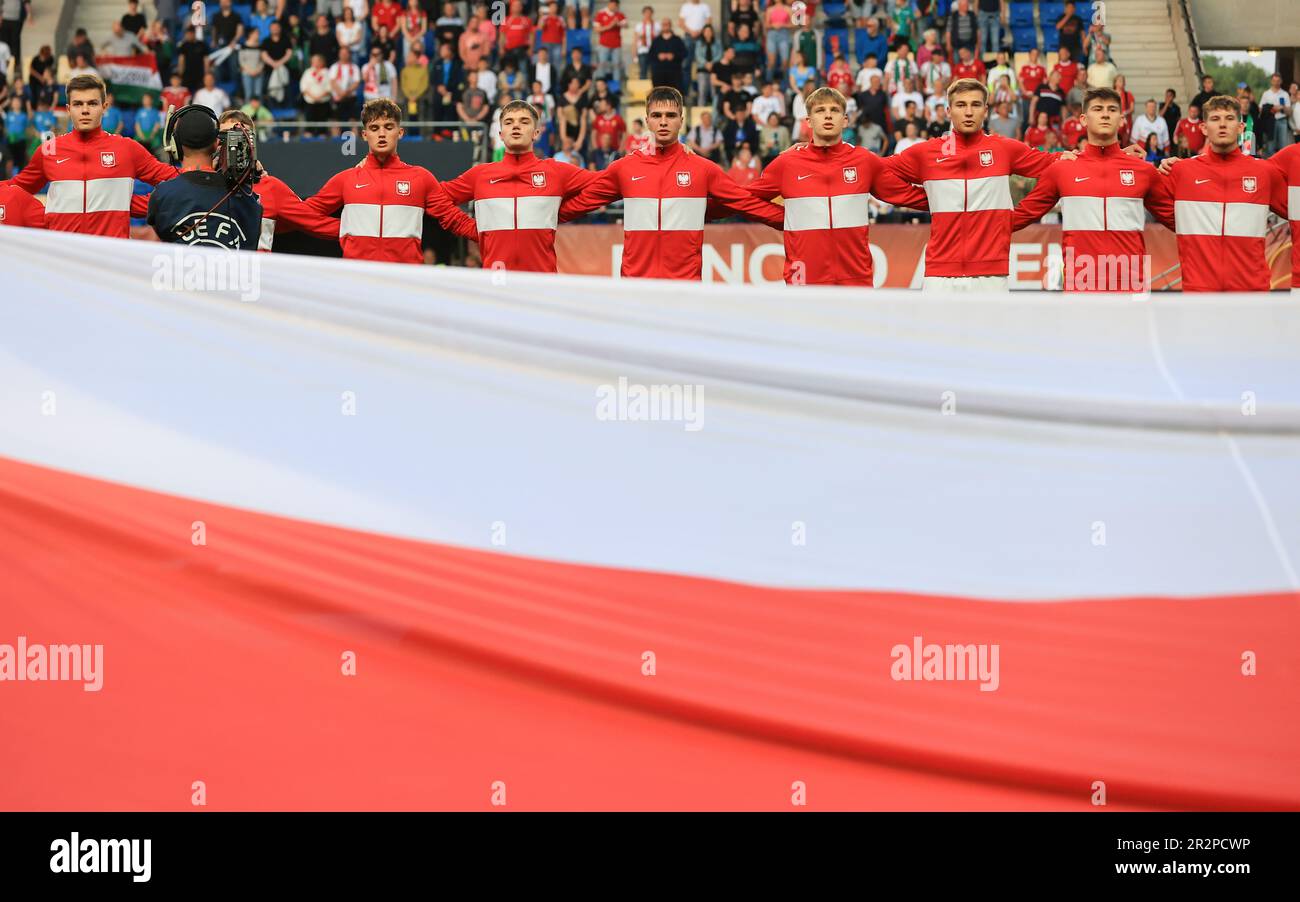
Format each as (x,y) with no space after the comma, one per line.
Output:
(169,127)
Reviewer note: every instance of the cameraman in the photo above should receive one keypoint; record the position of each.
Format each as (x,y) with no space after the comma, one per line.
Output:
(204,207)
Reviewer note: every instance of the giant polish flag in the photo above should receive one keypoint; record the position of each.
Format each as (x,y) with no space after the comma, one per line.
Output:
(343,535)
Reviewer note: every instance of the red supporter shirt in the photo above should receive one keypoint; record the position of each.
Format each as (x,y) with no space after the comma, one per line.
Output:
(1031,77)
(552,30)
(1069,74)
(1071,131)
(517,31)
(1287,162)
(1192,132)
(613,37)
(974,69)
(1036,137)
(387,14)
(20,209)
(612,125)
(177,96)
(383,208)
(516,206)
(841,80)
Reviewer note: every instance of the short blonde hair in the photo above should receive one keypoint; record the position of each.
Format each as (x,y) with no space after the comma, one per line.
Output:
(825,95)
(967,86)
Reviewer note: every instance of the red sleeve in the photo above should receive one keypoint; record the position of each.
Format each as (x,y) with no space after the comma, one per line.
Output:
(438,205)
(768,185)
(737,199)
(1278,196)
(603,189)
(33,178)
(461,189)
(292,213)
(1036,202)
(1160,199)
(330,197)
(578,179)
(139,206)
(1030,161)
(149,168)
(906,165)
(889,187)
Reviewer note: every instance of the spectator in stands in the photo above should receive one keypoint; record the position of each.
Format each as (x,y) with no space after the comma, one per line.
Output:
(176,94)
(768,102)
(473,109)
(569,153)
(773,138)
(705,139)
(744,167)
(571,113)
(778,23)
(667,57)
(1072,127)
(1069,70)
(1049,99)
(862,80)
(873,105)
(604,154)
(1096,40)
(800,73)
(13,15)
(323,42)
(748,50)
(1150,123)
(1002,69)
(1004,121)
(963,29)
(911,137)
(473,45)
(708,50)
(486,81)
(1036,135)
(577,35)
(1208,90)
(645,31)
(969,66)
(1102,72)
(42,62)
(111,123)
(516,38)
(738,132)
(1275,106)
(261,19)
(552,31)
(906,93)
(82,66)
(1127,104)
(227,30)
(578,69)
(413,25)
(314,86)
(1154,152)
(191,60)
(447,70)
(1171,112)
(260,116)
(610,23)
(606,122)
(872,137)
(345,79)
(1188,134)
(252,67)
(121,42)
(544,70)
(1295,112)
(211,96)
(277,53)
(992,15)
(17,123)
(900,69)
(80,46)
(386,14)
(378,77)
(934,71)
(511,82)
(148,123)
(349,32)
(1070,30)
(807,43)
(929,44)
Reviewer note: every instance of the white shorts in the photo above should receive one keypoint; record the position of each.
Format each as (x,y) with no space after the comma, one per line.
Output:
(954,284)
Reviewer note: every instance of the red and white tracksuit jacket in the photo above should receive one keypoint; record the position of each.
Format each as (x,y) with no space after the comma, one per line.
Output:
(383,209)
(665,198)
(1287,161)
(826,190)
(1221,204)
(282,211)
(18,208)
(1104,195)
(92,178)
(967,181)
(517,207)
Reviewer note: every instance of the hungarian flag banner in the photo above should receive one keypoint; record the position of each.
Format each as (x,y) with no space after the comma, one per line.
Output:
(130,77)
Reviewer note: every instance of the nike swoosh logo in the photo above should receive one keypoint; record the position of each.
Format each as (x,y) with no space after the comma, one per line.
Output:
(366,185)
(64,160)
(1083,179)
(637,177)
(494,181)
(802,177)
(941,159)
(1201,181)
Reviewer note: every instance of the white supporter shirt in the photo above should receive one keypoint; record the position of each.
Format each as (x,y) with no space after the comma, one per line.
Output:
(1142,126)
(766,106)
(345,78)
(1280,101)
(695,15)
(646,32)
(314,85)
(899,105)
(863,80)
(216,99)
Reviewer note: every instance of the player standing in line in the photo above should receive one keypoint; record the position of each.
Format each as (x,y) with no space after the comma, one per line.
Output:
(1222,198)
(91,173)
(1287,162)
(1103,196)
(666,194)
(517,199)
(384,199)
(827,185)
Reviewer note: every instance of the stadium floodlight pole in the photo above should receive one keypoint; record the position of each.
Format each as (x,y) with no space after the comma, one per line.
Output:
(1103,194)
(666,196)
(828,186)
(517,198)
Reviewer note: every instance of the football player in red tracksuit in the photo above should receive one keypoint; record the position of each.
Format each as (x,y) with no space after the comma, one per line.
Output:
(826,186)
(91,173)
(517,199)
(1104,195)
(966,175)
(282,209)
(384,200)
(666,194)
(1287,162)
(1222,198)
(18,208)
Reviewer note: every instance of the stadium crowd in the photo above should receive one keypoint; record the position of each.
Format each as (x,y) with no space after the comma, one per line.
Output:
(587,65)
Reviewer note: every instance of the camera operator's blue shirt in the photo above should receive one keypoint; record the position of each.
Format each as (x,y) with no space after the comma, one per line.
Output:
(179,203)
